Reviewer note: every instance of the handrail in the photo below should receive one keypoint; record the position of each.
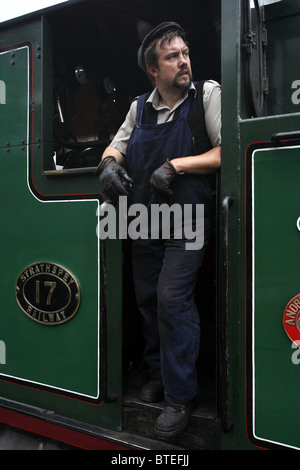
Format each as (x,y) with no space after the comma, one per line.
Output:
(289,135)
(223,337)
(103,328)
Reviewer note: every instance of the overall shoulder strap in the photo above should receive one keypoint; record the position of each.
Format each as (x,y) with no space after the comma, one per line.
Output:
(196,112)
(140,107)
(149,113)
(196,121)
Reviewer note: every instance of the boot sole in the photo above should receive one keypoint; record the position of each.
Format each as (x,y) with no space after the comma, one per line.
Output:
(172,432)
(151,399)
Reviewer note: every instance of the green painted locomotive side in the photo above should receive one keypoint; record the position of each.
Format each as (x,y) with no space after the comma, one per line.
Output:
(259,175)
(49,241)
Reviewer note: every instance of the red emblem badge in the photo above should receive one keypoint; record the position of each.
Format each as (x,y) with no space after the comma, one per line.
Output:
(291,319)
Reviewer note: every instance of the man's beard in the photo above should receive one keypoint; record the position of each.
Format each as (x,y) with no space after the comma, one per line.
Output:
(182,85)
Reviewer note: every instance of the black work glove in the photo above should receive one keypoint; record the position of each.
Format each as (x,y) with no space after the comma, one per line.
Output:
(113,178)
(162,178)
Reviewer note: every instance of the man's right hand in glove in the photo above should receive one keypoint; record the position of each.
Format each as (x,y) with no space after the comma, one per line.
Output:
(113,178)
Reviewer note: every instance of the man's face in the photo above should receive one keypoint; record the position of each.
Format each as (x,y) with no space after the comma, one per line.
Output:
(174,66)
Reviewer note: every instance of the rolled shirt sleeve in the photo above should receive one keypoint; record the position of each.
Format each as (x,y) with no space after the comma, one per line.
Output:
(212,110)
(121,139)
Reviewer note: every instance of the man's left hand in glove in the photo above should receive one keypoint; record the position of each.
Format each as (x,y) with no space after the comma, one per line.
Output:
(162,178)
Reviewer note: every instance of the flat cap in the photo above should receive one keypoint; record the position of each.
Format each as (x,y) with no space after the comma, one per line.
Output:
(156,33)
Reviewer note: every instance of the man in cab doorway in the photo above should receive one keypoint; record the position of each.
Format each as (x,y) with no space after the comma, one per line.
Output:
(168,144)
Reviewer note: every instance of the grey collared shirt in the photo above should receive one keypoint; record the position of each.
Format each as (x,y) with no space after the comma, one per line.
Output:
(212,112)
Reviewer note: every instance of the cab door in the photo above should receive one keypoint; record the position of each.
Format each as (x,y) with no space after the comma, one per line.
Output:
(272,225)
(260,168)
(60,302)
(273,300)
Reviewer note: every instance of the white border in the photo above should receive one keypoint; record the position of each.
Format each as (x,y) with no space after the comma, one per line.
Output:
(16,8)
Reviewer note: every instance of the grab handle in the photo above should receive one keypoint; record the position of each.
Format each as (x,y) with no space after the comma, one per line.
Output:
(223,341)
(290,135)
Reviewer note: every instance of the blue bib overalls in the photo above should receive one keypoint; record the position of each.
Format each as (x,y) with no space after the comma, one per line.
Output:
(164,272)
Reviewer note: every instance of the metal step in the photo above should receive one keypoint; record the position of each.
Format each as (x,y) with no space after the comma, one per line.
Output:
(203,430)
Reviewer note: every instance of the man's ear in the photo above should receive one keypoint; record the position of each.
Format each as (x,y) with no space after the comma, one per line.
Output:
(152,70)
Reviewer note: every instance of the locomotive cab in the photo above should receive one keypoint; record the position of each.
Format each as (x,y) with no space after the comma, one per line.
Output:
(77,71)
(71,347)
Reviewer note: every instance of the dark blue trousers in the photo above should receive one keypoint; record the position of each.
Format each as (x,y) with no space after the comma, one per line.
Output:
(165,275)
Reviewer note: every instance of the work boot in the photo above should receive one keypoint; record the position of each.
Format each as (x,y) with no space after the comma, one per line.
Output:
(174,418)
(153,391)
